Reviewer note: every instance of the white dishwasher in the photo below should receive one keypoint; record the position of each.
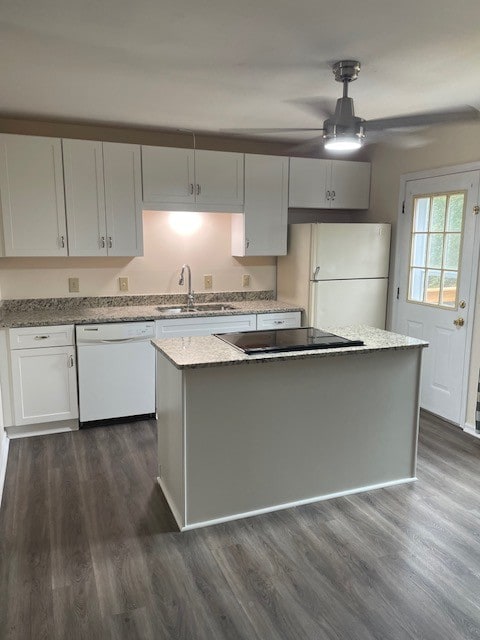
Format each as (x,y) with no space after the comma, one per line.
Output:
(116,370)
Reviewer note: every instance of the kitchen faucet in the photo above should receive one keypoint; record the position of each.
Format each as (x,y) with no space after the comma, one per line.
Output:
(191,294)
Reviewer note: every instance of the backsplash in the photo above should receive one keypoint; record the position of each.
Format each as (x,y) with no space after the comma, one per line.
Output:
(28,304)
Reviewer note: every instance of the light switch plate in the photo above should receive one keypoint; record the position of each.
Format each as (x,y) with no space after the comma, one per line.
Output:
(208,282)
(123,284)
(73,285)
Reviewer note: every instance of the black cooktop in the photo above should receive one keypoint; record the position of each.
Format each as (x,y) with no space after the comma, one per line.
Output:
(286,340)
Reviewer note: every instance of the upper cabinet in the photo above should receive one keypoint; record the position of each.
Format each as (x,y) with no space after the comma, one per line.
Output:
(262,229)
(32,197)
(329,184)
(183,179)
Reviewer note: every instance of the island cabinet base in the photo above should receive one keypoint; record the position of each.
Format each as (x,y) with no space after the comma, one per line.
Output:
(239,440)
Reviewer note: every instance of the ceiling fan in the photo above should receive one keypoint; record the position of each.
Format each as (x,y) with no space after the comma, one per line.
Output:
(344,131)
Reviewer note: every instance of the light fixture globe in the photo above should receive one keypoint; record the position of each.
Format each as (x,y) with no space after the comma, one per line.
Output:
(340,137)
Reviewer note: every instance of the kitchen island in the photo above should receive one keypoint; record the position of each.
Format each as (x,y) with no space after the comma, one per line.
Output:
(240,435)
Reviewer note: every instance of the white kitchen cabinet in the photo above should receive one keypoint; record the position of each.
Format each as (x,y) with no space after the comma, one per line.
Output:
(262,229)
(32,197)
(183,179)
(204,326)
(329,184)
(103,197)
(282,320)
(44,378)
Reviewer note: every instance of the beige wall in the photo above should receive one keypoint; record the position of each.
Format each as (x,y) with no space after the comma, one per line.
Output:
(207,251)
(450,145)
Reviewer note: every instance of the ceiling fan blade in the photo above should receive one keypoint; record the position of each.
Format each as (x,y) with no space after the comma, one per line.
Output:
(280,130)
(463,114)
(319,107)
(307,147)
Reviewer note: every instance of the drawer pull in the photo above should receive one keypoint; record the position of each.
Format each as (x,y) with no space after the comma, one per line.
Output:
(70,361)
(279,322)
(42,337)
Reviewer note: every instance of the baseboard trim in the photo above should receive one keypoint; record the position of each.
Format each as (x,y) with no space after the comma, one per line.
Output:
(41,429)
(288,505)
(470,429)
(171,504)
(3,463)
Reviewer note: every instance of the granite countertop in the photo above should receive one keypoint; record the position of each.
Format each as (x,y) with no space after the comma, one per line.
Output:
(209,351)
(35,313)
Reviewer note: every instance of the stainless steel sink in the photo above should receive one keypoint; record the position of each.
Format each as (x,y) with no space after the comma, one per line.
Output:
(198,308)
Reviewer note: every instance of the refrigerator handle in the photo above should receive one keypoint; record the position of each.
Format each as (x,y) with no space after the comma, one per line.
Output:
(315,274)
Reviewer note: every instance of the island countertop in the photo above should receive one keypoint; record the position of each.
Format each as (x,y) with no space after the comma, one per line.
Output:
(209,351)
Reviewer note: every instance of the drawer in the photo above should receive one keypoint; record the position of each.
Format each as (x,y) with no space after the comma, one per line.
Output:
(35,337)
(287,320)
(172,328)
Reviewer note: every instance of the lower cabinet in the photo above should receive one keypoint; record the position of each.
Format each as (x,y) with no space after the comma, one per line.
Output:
(44,377)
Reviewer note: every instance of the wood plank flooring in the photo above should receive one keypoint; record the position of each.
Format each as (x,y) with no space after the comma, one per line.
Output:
(89,550)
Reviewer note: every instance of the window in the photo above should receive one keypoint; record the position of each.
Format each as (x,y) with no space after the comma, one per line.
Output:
(436,242)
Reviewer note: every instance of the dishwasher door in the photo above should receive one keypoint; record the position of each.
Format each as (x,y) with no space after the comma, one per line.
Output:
(116,375)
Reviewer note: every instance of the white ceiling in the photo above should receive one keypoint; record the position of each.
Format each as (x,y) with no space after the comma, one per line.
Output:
(213,65)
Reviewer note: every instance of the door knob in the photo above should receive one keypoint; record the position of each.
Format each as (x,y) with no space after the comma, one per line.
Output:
(459,322)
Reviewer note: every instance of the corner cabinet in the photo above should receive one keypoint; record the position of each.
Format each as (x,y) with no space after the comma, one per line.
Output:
(188,180)
(329,184)
(32,197)
(103,198)
(262,229)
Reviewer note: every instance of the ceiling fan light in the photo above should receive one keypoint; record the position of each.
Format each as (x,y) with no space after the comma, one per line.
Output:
(343,144)
(343,137)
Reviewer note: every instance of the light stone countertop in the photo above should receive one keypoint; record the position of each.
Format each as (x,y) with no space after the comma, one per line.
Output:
(42,316)
(208,351)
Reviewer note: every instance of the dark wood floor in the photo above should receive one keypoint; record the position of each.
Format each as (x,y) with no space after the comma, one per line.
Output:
(89,550)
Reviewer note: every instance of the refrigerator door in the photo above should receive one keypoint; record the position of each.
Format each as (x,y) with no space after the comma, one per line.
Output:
(339,303)
(343,251)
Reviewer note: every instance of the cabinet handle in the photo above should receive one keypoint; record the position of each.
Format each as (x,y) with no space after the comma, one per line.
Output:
(198,189)
(191,188)
(333,195)
(102,242)
(279,322)
(110,242)
(41,337)
(70,362)
(247,243)
(62,242)
(328,195)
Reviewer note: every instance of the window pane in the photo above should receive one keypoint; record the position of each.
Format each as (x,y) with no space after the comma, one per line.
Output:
(435,250)
(419,250)
(417,285)
(449,288)
(437,219)
(452,250)
(455,212)
(422,207)
(433,286)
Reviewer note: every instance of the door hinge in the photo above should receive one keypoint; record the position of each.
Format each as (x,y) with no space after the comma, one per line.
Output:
(398,293)
(476,209)
(403,206)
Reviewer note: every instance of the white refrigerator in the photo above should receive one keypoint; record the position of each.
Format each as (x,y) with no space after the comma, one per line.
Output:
(338,272)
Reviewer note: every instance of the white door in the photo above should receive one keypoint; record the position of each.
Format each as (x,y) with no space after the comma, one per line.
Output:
(123,199)
(219,178)
(308,183)
(32,198)
(168,175)
(437,249)
(85,197)
(44,385)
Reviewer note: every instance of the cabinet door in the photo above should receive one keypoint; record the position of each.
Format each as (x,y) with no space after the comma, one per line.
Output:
(350,185)
(308,183)
(123,200)
(85,197)
(32,198)
(264,222)
(44,385)
(219,178)
(173,328)
(168,175)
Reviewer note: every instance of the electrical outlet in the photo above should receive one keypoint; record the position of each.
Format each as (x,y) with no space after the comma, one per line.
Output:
(123,284)
(207,282)
(246,280)
(73,285)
